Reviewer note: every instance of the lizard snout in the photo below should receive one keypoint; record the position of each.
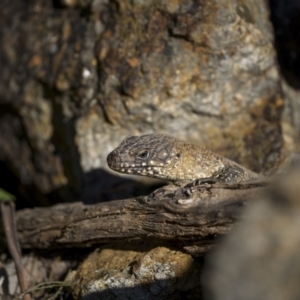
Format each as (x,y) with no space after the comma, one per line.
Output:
(113,158)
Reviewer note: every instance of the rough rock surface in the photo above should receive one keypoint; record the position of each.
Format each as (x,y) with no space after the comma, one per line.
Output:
(285,16)
(260,259)
(137,273)
(79,76)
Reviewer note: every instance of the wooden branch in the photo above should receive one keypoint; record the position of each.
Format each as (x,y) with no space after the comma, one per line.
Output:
(187,214)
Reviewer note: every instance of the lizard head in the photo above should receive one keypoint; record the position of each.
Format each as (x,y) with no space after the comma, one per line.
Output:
(152,155)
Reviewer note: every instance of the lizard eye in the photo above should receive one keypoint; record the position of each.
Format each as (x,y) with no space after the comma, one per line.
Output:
(144,154)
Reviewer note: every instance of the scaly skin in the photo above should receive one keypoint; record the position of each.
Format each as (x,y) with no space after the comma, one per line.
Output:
(164,157)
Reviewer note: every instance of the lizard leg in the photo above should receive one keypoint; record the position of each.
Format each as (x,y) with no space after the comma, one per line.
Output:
(230,174)
(227,174)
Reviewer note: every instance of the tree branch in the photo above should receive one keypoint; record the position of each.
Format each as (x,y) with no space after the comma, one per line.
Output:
(190,214)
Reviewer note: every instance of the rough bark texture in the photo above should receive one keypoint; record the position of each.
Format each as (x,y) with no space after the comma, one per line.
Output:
(78,76)
(194,215)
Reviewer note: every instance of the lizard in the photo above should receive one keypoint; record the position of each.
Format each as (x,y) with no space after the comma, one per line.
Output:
(165,157)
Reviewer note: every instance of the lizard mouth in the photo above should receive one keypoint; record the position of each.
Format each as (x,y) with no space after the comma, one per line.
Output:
(134,169)
(115,163)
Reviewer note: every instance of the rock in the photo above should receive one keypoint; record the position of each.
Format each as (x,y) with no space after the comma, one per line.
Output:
(79,76)
(260,258)
(137,272)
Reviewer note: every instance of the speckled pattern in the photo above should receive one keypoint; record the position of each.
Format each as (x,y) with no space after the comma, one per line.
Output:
(165,157)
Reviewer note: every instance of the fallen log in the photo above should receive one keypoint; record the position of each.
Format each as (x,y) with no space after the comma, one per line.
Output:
(194,215)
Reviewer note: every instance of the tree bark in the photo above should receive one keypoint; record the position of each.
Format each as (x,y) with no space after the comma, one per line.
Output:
(192,214)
